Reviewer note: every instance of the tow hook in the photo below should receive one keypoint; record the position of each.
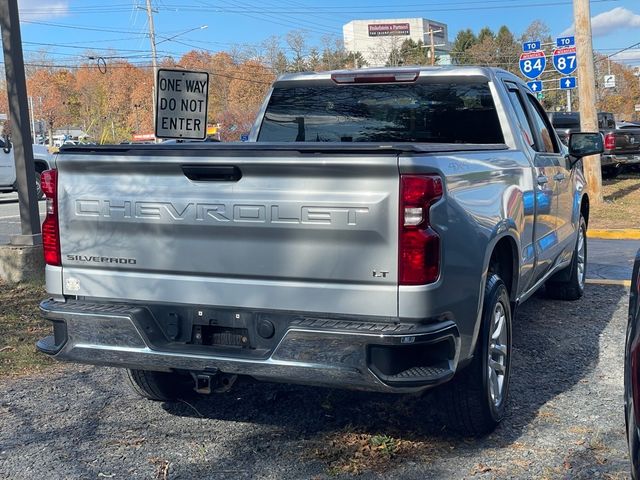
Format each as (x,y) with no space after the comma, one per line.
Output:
(207,383)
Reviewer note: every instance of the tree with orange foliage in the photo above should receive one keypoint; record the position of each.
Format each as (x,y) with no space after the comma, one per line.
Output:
(53,90)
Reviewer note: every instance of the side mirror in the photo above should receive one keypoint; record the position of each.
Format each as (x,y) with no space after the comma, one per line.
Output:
(6,145)
(585,144)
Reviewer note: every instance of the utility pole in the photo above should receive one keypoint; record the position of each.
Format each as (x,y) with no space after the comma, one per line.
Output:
(19,115)
(154,57)
(432,46)
(587,93)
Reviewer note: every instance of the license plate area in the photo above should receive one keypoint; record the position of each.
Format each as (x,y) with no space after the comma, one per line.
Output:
(220,336)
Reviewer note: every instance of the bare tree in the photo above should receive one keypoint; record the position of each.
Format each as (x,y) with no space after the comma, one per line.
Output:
(296,40)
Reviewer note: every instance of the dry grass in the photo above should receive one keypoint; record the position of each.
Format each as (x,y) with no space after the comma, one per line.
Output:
(621,206)
(162,467)
(21,326)
(353,453)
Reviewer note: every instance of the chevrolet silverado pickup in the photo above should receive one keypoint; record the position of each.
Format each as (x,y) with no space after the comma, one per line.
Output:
(377,232)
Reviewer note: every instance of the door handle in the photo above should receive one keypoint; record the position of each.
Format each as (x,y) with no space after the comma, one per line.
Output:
(212,173)
(542,180)
(559,177)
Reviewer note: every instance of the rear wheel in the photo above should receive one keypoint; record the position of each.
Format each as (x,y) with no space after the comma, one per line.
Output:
(160,386)
(569,283)
(474,401)
(611,172)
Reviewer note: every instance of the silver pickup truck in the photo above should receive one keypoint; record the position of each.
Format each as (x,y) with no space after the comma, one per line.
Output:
(42,160)
(376,233)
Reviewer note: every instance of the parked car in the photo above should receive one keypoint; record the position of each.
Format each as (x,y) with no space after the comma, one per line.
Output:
(42,161)
(632,372)
(621,142)
(361,239)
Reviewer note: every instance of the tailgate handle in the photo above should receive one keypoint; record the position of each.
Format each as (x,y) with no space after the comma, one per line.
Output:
(212,173)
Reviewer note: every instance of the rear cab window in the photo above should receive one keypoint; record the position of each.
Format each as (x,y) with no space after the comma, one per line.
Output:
(423,112)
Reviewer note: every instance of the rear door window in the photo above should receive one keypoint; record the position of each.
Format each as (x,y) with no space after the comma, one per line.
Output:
(547,140)
(444,112)
(518,106)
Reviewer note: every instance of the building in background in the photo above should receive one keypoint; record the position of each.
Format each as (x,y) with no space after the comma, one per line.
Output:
(376,39)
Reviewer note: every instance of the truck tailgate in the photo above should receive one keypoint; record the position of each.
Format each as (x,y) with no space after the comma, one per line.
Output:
(627,141)
(282,230)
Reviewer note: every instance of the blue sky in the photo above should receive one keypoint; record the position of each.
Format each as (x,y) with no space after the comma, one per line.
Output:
(66,28)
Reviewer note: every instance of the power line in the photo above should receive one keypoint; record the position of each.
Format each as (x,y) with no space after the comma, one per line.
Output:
(624,49)
(453,6)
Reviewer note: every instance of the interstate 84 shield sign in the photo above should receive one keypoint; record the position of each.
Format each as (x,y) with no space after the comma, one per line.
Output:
(532,64)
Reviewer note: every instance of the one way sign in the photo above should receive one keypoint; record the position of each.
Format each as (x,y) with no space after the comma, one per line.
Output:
(535,87)
(567,83)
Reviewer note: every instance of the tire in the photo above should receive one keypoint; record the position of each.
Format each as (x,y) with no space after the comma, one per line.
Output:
(39,192)
(159,386)
(569,283)
(474,401)
(611,172)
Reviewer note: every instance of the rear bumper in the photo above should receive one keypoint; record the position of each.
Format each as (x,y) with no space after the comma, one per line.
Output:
(620,159)
(305,349)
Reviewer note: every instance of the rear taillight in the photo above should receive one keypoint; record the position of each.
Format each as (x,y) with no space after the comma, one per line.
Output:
(419,244)
(50,229)
(609,141)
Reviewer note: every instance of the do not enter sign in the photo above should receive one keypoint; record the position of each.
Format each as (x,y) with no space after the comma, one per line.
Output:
(181,104)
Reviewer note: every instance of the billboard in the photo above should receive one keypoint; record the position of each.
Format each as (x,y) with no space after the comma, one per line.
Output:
(388,29)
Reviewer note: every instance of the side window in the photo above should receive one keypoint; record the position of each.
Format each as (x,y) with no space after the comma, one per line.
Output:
(516,103)
(543,127)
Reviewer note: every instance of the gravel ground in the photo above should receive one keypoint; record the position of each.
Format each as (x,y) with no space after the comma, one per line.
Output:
(565,419)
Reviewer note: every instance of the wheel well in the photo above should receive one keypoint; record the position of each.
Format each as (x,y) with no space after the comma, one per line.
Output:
(503,262)
(584,208)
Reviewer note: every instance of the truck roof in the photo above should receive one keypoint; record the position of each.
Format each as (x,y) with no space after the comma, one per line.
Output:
(440,71)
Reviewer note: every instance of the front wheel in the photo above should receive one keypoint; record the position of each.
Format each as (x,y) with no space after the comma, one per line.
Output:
(569,283)
(474,401)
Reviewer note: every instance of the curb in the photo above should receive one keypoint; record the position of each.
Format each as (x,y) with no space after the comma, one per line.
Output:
(604,281)
(615,234)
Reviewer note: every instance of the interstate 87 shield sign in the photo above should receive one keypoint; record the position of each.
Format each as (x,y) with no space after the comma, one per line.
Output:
(565,60)
(532,64)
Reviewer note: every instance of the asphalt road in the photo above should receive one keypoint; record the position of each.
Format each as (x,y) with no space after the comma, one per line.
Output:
(611,259)
(10,216)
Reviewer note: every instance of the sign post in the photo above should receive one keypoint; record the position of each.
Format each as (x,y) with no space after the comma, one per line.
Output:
(181,104)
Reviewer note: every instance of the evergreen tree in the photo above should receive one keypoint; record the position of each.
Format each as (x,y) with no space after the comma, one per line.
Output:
(464,40)
(409,53)
(485,34)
